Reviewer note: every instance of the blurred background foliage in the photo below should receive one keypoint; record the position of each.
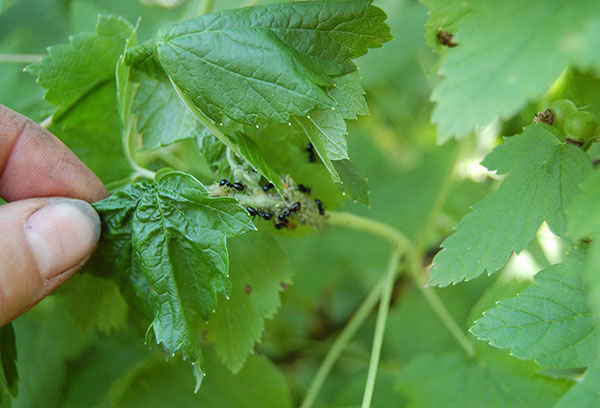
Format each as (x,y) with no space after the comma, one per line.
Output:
(413,185)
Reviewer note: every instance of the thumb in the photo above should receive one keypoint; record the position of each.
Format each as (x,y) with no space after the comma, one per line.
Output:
(43,242)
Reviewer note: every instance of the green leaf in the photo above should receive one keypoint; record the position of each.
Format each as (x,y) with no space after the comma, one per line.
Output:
(47,341)
(550,322)
(108,311)
(583,216)
(73,72)
(92,130)
(266,64)
(167,240)
(496,72)
(238,142)
(444,15)
(583,221)
(9,377)
(110,358)
(248,149)
(501,289)
(349,96)
(327,133)
(79,78)
(543,178)
(492,379)
(258,272)
(584,394)
(158,384)
(353,181)
(162,118)
(258,384)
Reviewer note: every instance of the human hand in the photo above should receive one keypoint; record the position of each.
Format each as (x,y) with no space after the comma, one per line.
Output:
(43,241)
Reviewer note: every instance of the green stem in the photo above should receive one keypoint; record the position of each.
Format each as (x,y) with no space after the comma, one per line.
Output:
(206,7)
(355,322)
(19,58)
(382,313)
(406,247)
(356,222)
(444,315)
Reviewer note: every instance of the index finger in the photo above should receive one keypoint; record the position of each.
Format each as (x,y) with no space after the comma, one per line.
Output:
(34,163)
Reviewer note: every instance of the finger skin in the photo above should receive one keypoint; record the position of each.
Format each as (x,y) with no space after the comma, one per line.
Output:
(34,163)
(22,284)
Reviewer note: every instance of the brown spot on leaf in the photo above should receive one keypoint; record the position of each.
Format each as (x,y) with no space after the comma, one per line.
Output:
(445,38)
(248,289)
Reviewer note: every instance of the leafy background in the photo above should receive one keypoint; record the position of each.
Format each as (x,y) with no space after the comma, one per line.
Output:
(303,288)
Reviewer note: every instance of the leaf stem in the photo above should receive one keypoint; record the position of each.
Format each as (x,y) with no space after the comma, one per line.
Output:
(206,7)
(406,247)
(355,322)
(19,58)
(382,314)
(356,222)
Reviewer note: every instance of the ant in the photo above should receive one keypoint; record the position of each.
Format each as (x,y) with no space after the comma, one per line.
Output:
(265,215)
(319,204)
(237,185)
(304,189)
(311,152)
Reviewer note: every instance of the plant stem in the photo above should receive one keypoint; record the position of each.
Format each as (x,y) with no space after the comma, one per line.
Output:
(341,342)
(356,222)
(440,309)
(206,7)
(406,247)
(382,313)
(19,58)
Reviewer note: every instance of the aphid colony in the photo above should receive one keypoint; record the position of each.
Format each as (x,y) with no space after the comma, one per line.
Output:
(295,205)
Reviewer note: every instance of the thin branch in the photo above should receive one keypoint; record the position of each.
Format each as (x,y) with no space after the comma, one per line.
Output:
(341,342)
(397,238)
(382,313)
(19,58)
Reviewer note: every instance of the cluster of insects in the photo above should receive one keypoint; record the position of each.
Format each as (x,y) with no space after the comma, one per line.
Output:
(285,208)
(295,205)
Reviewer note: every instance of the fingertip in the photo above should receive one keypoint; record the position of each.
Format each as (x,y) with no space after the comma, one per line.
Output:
(61,235)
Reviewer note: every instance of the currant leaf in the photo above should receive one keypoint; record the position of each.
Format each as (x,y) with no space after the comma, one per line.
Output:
(258,272)
(491,379)
(73,72)
(107,313)
(584,394)
(543,178)
(162,118)
(266,64)
(165,240)
(517,68)
(551,322)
